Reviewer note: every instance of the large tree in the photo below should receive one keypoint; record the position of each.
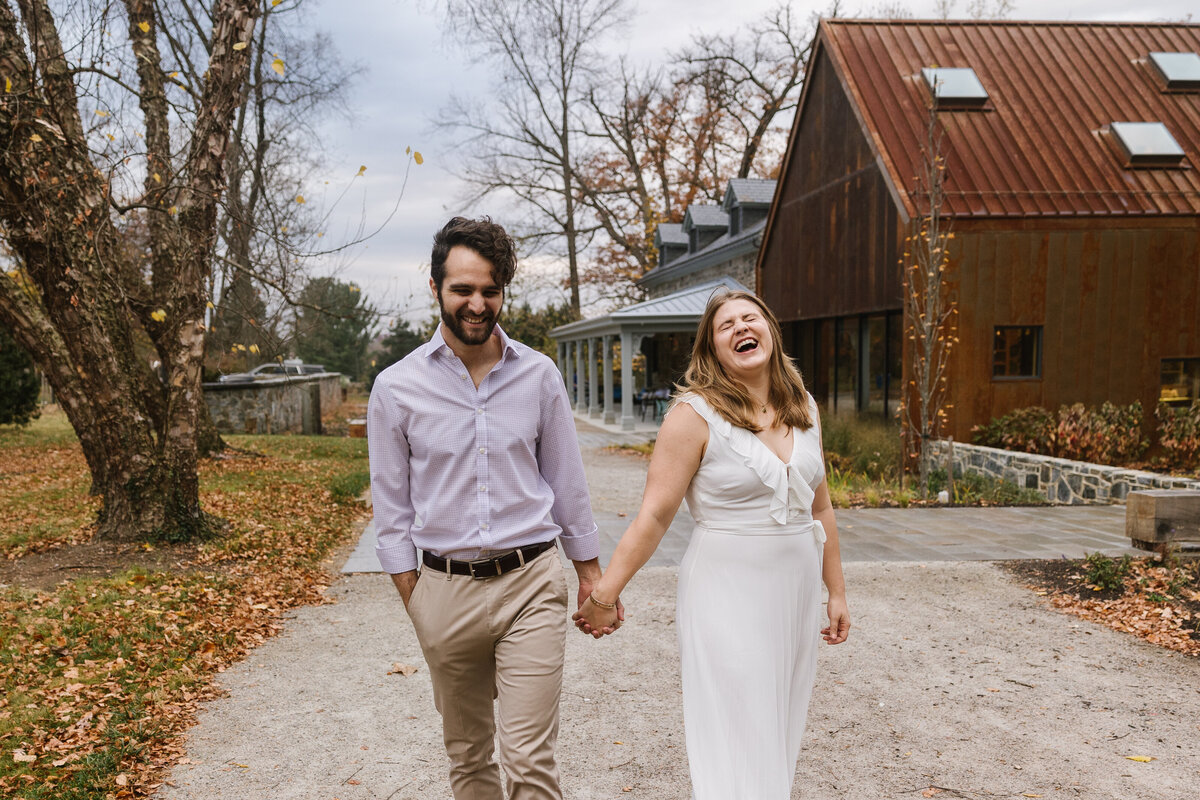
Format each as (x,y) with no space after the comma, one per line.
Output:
(92,298)
(663,139)
(268,232)
(523,142)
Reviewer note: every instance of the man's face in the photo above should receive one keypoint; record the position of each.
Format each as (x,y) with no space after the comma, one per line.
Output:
(469,298)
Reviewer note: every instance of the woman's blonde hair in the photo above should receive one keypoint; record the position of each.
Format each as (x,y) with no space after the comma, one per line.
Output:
(706,377)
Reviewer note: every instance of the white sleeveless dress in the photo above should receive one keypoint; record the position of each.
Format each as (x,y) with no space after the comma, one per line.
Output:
(749,610)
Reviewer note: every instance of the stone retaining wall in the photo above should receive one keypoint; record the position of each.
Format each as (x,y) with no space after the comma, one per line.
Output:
(1059,480)
(275,405)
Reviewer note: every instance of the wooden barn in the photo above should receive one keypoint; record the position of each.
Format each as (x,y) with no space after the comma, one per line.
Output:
(1072,188)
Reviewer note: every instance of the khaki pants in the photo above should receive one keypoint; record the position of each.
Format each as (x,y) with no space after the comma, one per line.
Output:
(499,638)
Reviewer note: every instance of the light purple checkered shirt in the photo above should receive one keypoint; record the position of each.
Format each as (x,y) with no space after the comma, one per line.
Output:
(482,470)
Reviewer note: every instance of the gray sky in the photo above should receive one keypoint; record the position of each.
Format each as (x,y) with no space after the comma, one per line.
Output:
(410,70)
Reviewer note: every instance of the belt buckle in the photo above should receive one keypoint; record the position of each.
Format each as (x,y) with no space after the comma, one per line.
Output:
(471,568)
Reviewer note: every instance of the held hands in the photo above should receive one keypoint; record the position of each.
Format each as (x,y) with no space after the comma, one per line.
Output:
(838,628)
(597,619)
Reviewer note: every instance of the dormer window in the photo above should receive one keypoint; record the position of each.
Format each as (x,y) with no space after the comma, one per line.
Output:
(1180,72)
(955,87)
(1147,144)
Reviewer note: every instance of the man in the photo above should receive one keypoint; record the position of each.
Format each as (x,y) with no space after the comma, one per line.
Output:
(474,460)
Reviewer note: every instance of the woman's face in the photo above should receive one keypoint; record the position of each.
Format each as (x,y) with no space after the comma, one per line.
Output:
(742,338)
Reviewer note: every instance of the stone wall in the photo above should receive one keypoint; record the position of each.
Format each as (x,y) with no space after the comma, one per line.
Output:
(285,404)
(1059,480)
(740,268)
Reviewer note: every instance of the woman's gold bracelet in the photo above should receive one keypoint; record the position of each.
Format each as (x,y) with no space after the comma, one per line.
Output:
(598,604)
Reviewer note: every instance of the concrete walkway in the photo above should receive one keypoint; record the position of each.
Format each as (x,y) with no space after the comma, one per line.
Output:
(876,534)
(895,534)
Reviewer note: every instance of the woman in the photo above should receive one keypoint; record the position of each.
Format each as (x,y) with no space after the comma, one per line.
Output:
(743,444)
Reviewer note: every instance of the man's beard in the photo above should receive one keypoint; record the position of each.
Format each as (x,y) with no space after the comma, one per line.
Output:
(465,336)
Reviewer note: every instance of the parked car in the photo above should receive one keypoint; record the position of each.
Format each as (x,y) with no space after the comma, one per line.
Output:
(273,369)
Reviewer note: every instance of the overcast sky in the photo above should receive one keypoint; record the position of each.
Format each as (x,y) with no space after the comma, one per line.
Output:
(410,69)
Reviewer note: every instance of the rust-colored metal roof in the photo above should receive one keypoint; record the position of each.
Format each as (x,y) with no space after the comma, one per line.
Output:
(1042,147)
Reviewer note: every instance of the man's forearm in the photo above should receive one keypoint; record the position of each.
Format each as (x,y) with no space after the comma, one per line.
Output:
(405,583)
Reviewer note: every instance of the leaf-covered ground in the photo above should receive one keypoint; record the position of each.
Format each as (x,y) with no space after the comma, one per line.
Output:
(1156,600)
(102,673)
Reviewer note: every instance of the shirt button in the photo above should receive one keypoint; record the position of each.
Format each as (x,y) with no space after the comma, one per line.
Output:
(483,450)
(464,377)
(479,411)
(483,488)
(484,526)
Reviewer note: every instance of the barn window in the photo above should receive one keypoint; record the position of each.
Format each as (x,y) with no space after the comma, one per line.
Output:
(1017,351)
(1180,382)
(1179,71)
(957,87)
(1147,144)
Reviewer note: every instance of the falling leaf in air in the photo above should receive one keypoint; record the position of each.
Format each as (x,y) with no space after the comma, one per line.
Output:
(362,169)
(7,85)
(33,137)
(275,3)
(173,210)
(144,27)
(300,199)
(402,669)
(277,65)
(1142,759)
(241,46)
(210,304)
(174,74)
(407,150)
(158,316)
(101,112)
(157,178)
(417,157)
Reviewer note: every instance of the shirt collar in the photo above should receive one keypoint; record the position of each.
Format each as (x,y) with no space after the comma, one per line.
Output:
(437,344)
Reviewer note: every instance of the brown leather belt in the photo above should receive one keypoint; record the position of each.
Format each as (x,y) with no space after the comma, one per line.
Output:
(487,567)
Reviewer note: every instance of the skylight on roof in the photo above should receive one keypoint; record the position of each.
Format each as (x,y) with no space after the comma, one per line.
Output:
(1147,144)
(955,86)
(1178,70)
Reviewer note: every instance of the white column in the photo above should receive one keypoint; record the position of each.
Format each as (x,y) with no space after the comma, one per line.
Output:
(593,386)
(562,365)
(627,390)
(610,413)
(580,377)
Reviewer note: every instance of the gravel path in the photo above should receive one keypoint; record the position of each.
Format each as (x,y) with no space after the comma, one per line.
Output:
(954,679)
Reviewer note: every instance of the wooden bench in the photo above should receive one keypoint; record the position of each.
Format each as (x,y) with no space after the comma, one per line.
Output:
(358,429)
(1157,519)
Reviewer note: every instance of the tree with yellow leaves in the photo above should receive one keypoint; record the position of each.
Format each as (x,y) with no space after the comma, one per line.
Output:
(930,310)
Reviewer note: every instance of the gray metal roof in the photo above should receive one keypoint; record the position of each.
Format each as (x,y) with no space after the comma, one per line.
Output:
(705,216)
(749,192)
(670,233)
(680,311)
(723,248)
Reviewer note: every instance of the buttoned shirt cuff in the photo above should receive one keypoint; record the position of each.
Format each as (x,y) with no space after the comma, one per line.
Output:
(583,547)
(402,558)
